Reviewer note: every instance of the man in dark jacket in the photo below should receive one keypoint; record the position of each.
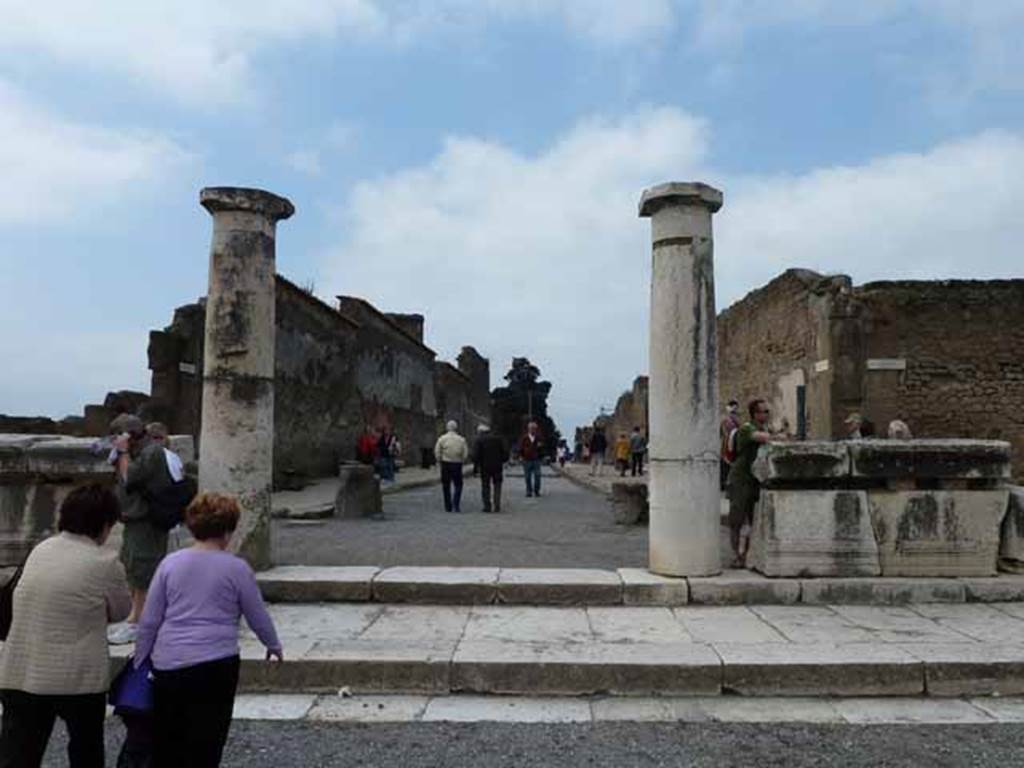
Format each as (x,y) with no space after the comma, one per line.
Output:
(598,445)
(489,456)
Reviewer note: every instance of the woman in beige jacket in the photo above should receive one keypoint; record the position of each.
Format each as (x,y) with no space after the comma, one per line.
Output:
(55,663)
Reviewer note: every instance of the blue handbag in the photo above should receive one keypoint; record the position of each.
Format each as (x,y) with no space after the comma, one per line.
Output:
(132,689)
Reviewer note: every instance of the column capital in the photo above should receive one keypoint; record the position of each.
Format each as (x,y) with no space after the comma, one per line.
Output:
(685,193)
(222,199)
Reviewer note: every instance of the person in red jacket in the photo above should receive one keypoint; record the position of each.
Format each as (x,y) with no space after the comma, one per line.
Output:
(531,448)
(366,448)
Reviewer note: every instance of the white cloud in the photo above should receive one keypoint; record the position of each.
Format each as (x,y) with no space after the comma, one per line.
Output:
(953,211)
(305,161)
(544,255)
(52,166)
(202,53)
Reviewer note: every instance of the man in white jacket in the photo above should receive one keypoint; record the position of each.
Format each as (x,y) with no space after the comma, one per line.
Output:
(451,453)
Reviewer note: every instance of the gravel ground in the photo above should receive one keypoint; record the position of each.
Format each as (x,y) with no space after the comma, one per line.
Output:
(497,745)
(566,527)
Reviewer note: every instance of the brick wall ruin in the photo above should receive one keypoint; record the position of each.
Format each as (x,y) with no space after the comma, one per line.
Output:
(945,356)
(336,370)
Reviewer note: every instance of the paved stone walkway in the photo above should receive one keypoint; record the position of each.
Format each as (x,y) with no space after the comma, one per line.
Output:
(566,527)
(940,650)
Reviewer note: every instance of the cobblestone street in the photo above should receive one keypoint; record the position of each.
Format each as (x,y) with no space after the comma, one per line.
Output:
(566,527)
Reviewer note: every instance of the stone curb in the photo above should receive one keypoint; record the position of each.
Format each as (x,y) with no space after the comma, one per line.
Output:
(624,586)
(396,708)
(640,669)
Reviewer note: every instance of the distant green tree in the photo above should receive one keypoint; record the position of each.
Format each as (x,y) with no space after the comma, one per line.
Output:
(524,399)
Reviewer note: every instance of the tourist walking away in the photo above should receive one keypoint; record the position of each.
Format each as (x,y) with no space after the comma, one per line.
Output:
(562,453)
(598,446)
(621,452)
(489,456)
(142,473)
(54,662)
(727,429)
(451,453)
(387,444)
(742,486)
(189,633)
(637,449)
(531,449)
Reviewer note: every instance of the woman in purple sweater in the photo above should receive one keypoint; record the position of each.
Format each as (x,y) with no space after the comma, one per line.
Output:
(189,630)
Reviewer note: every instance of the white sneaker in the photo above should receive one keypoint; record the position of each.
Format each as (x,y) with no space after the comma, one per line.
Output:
(122,634)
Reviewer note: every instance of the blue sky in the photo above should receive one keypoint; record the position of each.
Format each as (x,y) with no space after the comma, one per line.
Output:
(480,161)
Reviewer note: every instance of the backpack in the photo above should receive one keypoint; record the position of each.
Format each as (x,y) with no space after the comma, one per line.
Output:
(167,506)
(729,449)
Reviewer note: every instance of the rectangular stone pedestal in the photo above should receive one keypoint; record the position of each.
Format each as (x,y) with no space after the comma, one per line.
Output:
(813,533)
(1011,544)
(937,533)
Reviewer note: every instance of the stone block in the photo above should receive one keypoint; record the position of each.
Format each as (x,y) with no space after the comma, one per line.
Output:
(1000,589)
(439,585)
(937,533)
(629,503)
(272,706)
(586,668)
(930,459)
(184,446)
(358,493)
(641,587)
(67,457)
(909,711)
(800,462)
(742,588)
(316,584)
(881,591)
(14,452)
(369,709)
(813,533)
(777,669)
(1011,535)
(971,669)
(559,586)
(507,709)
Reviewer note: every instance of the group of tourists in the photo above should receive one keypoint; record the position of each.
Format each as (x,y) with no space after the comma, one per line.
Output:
(740,442)
(176,692)
(380,449)
(628,452)
(489,455)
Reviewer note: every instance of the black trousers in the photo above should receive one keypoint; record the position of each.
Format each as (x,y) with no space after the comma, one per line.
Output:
(451,484)
(637,466)
(487,481)
(192,713)
(28,721)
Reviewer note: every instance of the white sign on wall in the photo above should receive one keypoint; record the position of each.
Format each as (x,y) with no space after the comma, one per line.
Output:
(821,366)
(887,364)
(189,368)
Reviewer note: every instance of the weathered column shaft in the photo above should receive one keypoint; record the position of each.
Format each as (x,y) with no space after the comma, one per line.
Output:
(684,449)
(237,433)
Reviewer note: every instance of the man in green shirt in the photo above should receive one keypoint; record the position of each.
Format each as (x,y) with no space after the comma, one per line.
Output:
(741,486)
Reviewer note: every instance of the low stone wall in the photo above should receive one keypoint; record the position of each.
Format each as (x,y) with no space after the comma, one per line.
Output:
(881,507)
(36,473)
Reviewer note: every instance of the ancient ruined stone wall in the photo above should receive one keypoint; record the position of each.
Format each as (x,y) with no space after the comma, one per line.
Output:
(767,345)
(947,356)
(630,411)
(394,377)
(317,418)
(477,369)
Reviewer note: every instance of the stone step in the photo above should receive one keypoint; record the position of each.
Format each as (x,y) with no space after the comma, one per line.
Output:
(628,651)
(468,708)
(622,586)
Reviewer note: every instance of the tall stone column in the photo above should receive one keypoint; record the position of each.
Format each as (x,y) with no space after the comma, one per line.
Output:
(684,448)
(237,434)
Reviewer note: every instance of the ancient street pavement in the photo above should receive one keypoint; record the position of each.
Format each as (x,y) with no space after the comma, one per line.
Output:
(566,527)
(268,744)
